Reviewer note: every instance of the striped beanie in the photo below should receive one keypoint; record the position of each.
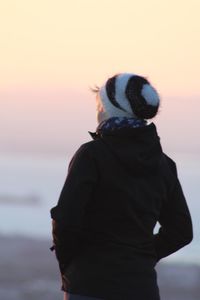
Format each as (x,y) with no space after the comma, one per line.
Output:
(129,95)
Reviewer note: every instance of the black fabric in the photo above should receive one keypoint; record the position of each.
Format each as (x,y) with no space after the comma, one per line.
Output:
(80,297)
(111,90)
(118,186)
(138,103)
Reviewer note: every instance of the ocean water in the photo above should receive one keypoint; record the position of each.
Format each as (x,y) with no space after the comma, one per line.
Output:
(24,178)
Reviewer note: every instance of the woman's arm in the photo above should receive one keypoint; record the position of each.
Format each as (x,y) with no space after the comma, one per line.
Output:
(176,225)
(68,215)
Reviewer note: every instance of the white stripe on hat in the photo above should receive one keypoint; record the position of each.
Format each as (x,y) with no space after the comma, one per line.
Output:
(109,107)
(120,88)
(150,95)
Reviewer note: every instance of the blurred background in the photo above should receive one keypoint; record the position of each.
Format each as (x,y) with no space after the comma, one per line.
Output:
(52,53)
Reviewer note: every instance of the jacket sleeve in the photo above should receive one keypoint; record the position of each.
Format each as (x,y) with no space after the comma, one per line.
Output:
(176,225)
(69,234)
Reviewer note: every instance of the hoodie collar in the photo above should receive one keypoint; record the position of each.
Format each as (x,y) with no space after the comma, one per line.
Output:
(137,149)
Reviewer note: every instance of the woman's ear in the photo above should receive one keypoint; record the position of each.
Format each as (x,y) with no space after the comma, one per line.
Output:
(101,116)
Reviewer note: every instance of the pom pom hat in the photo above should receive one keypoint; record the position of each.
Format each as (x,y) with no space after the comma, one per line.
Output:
(129,95)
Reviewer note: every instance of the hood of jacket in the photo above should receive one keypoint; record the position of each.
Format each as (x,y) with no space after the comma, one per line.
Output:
(137,149)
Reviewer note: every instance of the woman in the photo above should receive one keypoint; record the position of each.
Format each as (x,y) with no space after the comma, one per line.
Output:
(119,185)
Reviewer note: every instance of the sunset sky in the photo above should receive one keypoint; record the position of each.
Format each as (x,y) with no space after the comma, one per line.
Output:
(53,51)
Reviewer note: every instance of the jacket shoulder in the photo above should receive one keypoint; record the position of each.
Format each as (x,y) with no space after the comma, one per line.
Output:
(91,146)
(87,147)
(84,152)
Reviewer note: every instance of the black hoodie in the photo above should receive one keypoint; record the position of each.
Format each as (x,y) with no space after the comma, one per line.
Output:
(118,187)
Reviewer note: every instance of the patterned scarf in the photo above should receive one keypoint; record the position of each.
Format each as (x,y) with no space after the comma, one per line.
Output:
(119,122)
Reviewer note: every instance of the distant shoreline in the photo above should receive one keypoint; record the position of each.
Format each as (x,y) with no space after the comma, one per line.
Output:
(29,199)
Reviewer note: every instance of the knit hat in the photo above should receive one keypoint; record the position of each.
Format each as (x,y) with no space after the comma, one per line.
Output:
(129,95)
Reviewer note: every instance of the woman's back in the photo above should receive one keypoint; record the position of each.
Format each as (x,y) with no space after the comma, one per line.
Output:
(118,187)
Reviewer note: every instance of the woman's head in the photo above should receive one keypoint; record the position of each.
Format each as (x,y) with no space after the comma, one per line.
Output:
(127,95)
